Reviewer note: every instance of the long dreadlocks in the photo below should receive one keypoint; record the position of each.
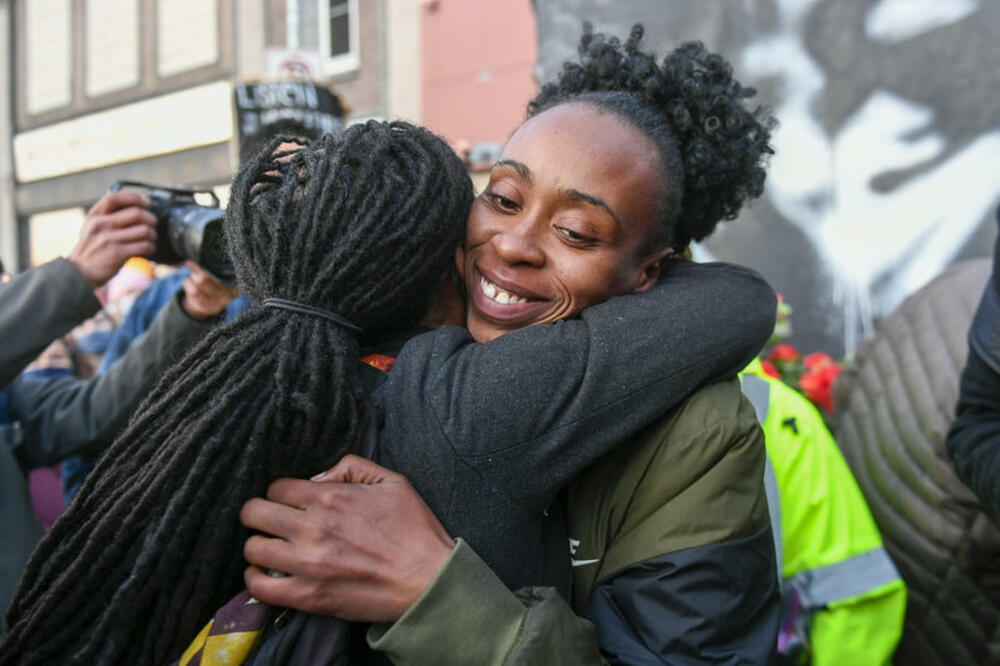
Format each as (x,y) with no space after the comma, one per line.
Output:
(363,225)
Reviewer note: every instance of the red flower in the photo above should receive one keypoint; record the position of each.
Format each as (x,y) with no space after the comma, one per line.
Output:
(817,360)
(784,353)
(817,384)
(770,370)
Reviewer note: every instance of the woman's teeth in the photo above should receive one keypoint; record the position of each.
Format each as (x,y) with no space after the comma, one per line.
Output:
(497,294)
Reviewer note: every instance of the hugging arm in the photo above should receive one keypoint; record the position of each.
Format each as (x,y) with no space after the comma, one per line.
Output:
(676,563)
(373,548)
(556,397)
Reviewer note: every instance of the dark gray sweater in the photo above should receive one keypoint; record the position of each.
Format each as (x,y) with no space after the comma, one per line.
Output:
(489,433)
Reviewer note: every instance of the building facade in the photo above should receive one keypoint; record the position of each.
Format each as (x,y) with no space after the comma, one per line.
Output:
(103,90)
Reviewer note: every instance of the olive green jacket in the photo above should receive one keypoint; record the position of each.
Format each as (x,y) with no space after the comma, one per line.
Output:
(672,557)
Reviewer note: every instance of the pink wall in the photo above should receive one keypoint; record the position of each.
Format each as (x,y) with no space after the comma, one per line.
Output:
(478,59)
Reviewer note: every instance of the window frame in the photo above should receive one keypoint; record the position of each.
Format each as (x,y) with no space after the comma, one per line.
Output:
(332,65)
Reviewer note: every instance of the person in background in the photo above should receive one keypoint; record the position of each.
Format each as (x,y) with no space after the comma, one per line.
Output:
(78,354)
(974,437)
(896,399)
(843,600)
(140,317)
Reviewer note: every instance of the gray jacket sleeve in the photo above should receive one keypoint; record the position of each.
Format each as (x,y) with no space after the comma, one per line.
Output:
(38,306)
(63,416)
(555,397)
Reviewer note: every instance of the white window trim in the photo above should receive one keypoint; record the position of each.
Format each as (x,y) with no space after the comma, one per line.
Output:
(332,66)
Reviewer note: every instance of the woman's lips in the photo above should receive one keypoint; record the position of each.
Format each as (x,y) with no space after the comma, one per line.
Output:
(503,302)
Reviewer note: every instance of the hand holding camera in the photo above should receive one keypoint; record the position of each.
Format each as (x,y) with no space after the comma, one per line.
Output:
(117,227)
(204,296)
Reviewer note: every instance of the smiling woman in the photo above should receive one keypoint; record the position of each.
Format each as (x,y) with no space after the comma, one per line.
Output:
(556,230)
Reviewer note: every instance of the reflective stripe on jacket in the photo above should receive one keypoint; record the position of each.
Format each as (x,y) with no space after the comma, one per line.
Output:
(843,598)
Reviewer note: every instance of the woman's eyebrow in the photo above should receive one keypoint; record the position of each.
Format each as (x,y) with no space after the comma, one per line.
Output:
(522,169)
(577,195)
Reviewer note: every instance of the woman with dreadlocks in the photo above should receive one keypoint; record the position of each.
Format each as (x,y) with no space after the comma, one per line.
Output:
(277,394)
(152,544)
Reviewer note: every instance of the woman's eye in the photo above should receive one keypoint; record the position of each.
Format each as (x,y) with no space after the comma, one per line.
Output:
(575,237)
(502,202)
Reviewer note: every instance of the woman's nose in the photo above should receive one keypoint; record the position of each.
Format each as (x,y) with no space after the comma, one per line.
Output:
(518,243)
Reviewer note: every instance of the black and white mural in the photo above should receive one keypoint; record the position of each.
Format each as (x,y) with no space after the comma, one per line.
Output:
(888,151)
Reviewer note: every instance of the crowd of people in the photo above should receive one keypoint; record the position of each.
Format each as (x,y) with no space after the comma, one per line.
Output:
(435,427)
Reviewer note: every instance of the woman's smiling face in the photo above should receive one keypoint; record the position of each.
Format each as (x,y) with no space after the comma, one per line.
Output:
(564,223)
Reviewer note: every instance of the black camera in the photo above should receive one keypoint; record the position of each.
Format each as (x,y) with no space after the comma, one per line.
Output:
(186,229)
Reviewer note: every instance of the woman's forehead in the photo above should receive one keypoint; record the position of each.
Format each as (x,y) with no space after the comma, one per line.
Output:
(579,147)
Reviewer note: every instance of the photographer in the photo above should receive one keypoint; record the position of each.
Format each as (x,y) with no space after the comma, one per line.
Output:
(51,418)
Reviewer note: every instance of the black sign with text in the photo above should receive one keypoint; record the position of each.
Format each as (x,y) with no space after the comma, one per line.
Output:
(262,103)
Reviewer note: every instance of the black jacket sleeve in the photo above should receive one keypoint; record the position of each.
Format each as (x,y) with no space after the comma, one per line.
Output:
(38,306)
(555,397)
(974,437)
(712,604)
(62,416)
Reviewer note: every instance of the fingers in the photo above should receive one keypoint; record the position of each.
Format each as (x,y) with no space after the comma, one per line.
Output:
(285,592)
(355,469)
(273,518)
(132,232)
(131,241)
(128,217)
(295,492)
(112,201)
(268,553)
(204,296)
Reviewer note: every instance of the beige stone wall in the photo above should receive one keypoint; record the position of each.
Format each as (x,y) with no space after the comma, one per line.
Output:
(112,45)
(48,27)
(8,219)
(403,64)
(188,35)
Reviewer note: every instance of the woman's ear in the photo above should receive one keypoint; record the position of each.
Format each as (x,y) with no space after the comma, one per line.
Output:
(649,270)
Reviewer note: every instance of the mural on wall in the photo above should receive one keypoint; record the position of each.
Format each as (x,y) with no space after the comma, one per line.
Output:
(886,166)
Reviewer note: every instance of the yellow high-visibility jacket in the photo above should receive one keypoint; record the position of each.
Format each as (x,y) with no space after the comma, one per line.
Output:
(843,599)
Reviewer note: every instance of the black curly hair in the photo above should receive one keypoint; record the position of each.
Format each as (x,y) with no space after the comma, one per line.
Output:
(692,108)
(365,225)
